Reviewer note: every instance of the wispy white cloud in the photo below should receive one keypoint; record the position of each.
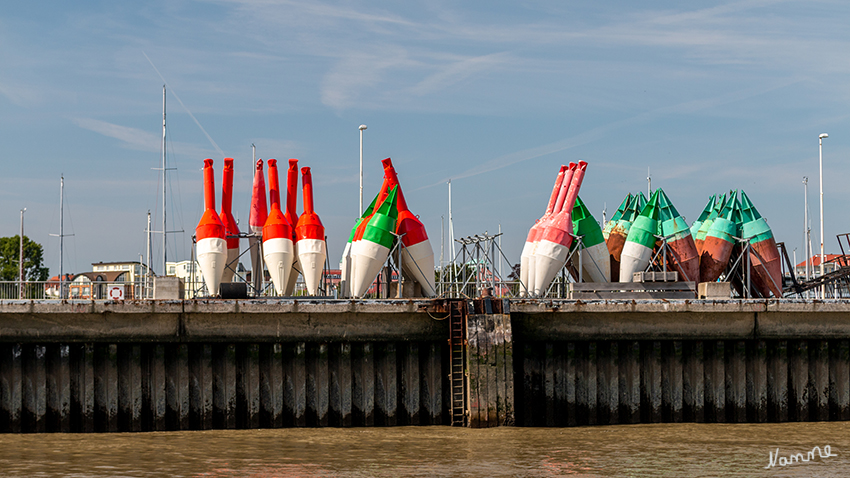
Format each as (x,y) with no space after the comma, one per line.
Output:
(344,85)
(133,138)
(141,140)
(21,95)
(599,132)
(457,71)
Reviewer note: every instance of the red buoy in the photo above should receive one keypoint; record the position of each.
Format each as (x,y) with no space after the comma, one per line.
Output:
(278,249)
(231,229)
(210,235)
(310,238)
(292,217)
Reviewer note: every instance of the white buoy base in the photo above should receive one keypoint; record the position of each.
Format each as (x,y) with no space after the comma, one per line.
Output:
(311,261)
(635,258)
(595,263)
(526,264)
(418,262)
(230,266)
(294,272)
(278,255)
(212,254)
(549,259)
(367,260)
(345,272)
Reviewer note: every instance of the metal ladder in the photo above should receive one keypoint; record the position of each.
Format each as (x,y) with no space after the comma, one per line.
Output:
(457,346)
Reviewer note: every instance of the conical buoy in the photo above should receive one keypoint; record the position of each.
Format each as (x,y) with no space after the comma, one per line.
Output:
(595,260)
(719,242)
(256,221)
(673,227)
(345,261)
(640,242)
(278,249)
(617,215)
(767,277)
(370,252)
(310,236)
(550,254)
(418,256)
(620,231)
(699,238)
(360,228)
(526,261)
(230,227)
(210,235)
(545,222)
(292,216)
(702,217)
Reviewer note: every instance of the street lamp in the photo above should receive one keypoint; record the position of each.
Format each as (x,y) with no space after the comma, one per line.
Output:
(21,259)
(360,211)
(822,255)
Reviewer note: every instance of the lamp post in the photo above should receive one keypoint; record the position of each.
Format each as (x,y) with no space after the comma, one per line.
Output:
(21,259)
(807,238)
(360,211)
(822,255)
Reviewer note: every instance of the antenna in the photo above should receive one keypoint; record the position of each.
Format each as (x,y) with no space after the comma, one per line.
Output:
(648,182)
(604,211)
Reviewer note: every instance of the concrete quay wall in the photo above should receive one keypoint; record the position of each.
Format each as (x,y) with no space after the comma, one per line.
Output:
(168,365)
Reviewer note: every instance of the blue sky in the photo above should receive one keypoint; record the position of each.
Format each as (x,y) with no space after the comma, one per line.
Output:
(495,95)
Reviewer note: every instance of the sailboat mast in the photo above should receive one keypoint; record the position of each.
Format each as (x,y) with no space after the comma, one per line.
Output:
(164,230)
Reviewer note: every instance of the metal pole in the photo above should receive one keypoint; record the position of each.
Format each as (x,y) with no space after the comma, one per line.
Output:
(442,248)
(806,230)
(360,211)
(21,259)
(822,255)
(453,272)
(61,235)
(164,230)
(148,252)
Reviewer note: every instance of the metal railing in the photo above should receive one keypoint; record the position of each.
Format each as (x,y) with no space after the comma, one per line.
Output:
(49,290)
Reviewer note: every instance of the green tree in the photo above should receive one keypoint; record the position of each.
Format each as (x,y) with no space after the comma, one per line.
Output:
(10,253)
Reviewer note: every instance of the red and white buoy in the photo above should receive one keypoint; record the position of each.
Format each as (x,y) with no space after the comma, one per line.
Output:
(278,249)
(231,229)
(418,256)
(292,217)
(256,221)
(310,235)
(359,229)
(371,251)
(550,254)
(345,261)
(210,235)
(526,269)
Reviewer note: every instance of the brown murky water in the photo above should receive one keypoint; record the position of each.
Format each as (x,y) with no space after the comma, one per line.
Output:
(674,450)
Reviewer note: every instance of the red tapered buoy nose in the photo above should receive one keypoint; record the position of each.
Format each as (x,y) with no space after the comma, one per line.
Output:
(259,211)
